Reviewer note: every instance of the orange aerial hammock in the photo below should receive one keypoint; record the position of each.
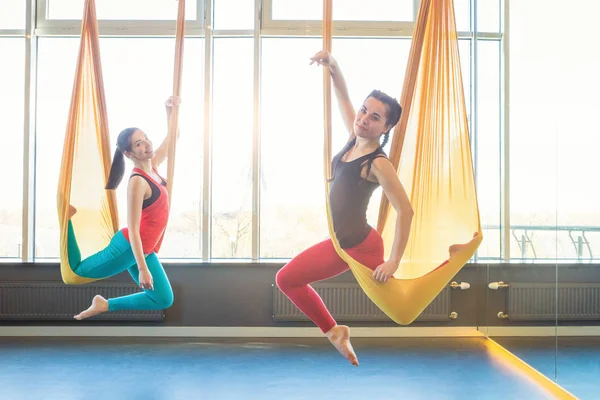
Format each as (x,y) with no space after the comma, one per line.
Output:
(86,158)
(431,151)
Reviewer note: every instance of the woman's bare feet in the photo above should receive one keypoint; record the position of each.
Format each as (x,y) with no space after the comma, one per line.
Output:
(339,336)
(455,248)
(72,211)
(99,305)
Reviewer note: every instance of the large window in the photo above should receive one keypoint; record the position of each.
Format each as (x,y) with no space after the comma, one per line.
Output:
(347,10)
(120,10)
(554,137)
(372,45)
(12,78)
(138,76)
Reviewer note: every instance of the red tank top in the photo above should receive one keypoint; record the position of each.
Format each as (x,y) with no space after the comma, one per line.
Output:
(154,217)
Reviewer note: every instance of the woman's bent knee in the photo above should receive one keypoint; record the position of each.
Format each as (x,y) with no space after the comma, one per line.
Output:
(164,300)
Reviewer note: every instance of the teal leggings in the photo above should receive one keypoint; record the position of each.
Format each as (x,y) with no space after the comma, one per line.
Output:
(116,258)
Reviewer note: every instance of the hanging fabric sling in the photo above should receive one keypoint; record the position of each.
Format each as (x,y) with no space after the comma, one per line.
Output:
(431,151)
(86,158)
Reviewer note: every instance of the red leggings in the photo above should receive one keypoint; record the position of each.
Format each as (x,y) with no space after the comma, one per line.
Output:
(321,262)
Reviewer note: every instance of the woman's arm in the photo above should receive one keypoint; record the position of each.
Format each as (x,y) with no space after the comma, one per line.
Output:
(162,152)
(340,88)
(136,190)
(386,175)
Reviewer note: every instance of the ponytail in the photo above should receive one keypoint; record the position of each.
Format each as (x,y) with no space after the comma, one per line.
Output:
(117,170)
(386,137)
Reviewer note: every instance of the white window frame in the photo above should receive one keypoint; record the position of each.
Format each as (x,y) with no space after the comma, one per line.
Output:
(12,32)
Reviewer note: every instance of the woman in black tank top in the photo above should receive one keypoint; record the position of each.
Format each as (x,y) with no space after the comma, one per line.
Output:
(357,170)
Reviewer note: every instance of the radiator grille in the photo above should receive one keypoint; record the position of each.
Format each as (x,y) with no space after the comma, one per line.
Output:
(348,302)
(57,301)
(537,301)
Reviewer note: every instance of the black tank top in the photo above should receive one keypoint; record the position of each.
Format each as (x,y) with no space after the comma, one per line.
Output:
(155,190)
(349,196)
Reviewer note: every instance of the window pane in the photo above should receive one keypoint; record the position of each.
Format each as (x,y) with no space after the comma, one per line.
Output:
(119,9)
(292,213)
(234,14)
(488,148)
(232,148)
(539,87)
(347,10)
(464,51)
(292,193)
(12,14)
(462,14)
(138,76)
(571,68)
(12,79)
(488,14)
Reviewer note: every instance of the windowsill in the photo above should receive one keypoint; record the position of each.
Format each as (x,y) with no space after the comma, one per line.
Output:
(217,262)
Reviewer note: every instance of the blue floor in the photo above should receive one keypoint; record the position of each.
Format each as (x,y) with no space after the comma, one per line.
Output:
(572,362)
(265,369)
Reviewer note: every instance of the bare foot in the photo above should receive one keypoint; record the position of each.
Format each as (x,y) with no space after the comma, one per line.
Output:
(455,248)
(458,247)
(339,336)
(72,211)
(99,305)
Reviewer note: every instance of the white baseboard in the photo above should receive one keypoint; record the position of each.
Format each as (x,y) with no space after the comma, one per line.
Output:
(233,331)
(300,332)
(540,331)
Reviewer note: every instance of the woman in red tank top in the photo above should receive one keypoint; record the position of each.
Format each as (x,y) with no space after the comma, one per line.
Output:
(133,248)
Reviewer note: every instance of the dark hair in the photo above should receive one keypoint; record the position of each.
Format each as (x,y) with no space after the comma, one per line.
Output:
(394,111)
(117,169)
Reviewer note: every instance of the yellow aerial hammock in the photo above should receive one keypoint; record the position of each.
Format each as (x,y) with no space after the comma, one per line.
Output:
(86,156)
(431,152)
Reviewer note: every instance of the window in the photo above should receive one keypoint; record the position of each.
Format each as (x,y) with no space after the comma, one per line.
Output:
(572,107)
(292,213)
(12,81)
(381,10)
(347,10)
(488,151)
(462,15)
(291,210)
(234,14)
(138,75)
(12,14)
(553,134)
(233,97)
(488,16)
(136,10)
(464,51)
